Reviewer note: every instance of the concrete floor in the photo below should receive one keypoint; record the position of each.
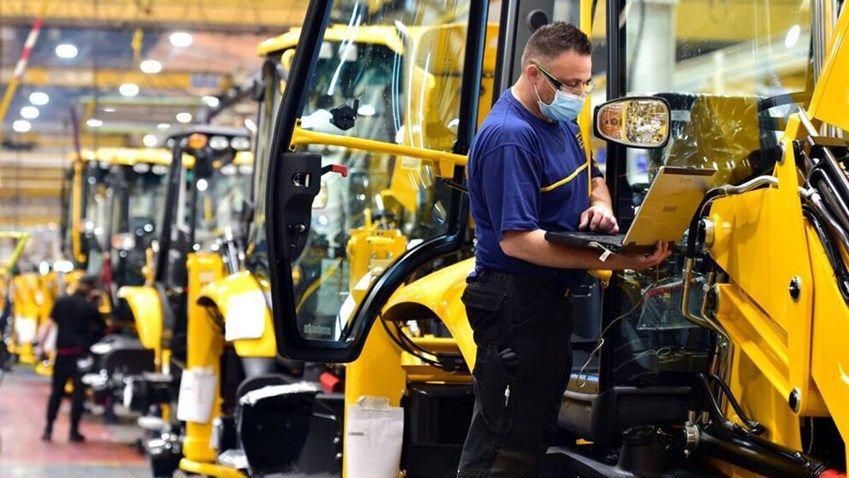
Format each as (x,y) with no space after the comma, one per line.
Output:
(109,452)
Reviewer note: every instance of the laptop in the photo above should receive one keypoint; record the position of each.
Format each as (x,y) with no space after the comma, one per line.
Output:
(664,214)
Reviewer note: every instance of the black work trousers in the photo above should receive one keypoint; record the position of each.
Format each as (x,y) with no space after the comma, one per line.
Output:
(522,328)
(66,369)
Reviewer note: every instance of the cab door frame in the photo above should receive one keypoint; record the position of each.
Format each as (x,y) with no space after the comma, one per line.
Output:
(290,342)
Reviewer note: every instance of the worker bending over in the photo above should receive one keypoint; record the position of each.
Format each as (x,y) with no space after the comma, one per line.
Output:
(522,182)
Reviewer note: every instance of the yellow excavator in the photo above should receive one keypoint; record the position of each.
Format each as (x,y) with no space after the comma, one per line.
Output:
(207,188)
(726,361)
(113,219)
(16,336)
(366,205)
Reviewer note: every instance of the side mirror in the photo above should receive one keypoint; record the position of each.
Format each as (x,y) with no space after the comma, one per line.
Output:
(636,122)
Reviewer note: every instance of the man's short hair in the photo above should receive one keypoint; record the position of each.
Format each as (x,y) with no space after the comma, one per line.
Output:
(552,40)
(88,281)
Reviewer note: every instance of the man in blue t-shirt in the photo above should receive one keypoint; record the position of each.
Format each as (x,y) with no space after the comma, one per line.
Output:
(528,174)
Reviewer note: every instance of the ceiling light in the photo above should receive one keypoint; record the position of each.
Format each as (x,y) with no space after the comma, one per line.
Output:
(29,112)
(211,101)
(109,109)
(202,184)
(21,126)
(150,140)
(150,66)
(39,98)
(128,89)
(163,126)
(66,51)
(181,39)
(94,123)
(184,117)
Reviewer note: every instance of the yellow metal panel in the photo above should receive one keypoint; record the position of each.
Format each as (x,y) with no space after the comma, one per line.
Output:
(760,242)
(440,292)
(830,362)
(144,302)
(219,294)
(830,101)
(204,348)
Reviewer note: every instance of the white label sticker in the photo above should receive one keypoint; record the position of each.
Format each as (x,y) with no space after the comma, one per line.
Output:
(197,392)
(245,316)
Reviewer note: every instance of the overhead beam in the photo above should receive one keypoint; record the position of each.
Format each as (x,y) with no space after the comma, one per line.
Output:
(208,15)
(75,77)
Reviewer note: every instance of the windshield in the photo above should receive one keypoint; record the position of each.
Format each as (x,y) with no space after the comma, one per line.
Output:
(731,77)
(220,200)
(139,199)
(95,224)
(146,198)
(211,197)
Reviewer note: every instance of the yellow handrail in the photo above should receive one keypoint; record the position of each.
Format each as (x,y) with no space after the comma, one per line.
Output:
(445,161)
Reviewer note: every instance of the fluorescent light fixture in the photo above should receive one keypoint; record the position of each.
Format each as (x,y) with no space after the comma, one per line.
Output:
(66,51)
(21,126)
(94,123)
(163,126)
(150,66)
(109,109)
(29,112)
(181,39)
(129,89)
(39,98)
(150,140)
(184,117)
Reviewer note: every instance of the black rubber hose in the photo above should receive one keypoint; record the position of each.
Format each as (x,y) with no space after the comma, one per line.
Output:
(831,251)
(751,455)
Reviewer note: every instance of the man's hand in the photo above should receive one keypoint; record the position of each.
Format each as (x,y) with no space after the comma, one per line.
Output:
(639,262)
(599,217)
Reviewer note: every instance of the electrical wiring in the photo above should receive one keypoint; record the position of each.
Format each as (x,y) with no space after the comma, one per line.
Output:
(601,340)
(409,346)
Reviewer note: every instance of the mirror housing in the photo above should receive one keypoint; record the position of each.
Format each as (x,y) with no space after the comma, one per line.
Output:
(635,122)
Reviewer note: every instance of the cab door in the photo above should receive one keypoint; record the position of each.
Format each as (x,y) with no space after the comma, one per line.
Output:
(377,97)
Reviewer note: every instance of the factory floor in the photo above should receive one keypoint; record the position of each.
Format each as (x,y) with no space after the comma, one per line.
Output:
(110,451)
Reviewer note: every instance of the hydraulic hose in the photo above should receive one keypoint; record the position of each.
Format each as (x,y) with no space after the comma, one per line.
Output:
(834,258)
(752,453)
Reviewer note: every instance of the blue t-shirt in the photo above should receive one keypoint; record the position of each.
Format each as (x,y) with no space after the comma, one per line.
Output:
(517,165)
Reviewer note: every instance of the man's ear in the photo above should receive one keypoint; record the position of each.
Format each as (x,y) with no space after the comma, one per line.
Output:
(531,71)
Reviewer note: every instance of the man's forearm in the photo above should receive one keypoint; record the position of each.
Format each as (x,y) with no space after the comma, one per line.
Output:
(600,195)
(531,246)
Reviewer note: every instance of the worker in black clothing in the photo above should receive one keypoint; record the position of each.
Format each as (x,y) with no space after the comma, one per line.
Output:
(79,325)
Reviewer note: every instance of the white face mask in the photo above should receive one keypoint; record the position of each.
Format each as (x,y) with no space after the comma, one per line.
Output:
(564,106)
